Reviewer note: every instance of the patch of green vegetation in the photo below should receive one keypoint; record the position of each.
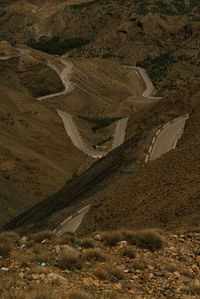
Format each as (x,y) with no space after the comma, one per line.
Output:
(56,46)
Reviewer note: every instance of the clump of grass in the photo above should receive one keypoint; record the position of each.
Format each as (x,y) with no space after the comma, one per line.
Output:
(43,292)
(111,238)
(113,295)
(93,254)
(114,271)
(9,236)
(78,294)
(128,251)
(173,267)
(87,243)
(69,261)
(5,248)
(13,294)
(195,286)
(101,273)
(68,238)
(40,236)
(149,239)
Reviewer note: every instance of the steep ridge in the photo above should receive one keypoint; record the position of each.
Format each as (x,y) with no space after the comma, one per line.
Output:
(125,162)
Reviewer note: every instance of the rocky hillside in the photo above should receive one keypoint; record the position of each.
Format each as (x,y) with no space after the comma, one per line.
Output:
(121,264)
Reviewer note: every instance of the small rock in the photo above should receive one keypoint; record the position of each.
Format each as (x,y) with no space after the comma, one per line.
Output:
(151,275)
(35,276)
(159,274)
(54,276)
(184,279)
(195,269)
(21,275)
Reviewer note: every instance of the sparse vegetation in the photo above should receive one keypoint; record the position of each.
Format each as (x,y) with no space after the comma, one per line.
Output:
(111,238)
(138,265)
(114,271)
(87,243)
(9,236)
(40,236)
(78,294)
(70,261)
(101,273)
(93,254)
(149,239)
(128,251)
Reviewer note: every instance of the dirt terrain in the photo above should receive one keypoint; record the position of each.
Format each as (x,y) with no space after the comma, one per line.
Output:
(100,40)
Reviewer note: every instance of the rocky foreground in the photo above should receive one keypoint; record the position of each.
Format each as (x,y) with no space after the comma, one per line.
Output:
(121,264)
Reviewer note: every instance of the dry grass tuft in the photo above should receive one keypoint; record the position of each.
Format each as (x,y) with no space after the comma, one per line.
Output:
(195,286)
(67,239)
(93,254)
(149,239)
(113,295)
(9,236)
(14,294)
(111,238)
(5,248)
(69,261)
(87,243)
(40,236)
(101,274)
(128,251)
(175,267)
(114,271)
(78,294)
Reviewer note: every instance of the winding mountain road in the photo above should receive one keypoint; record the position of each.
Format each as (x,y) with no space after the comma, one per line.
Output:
(166,138)
(64,75)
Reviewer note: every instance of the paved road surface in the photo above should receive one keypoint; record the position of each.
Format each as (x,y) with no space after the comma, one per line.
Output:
(76,138)
(21,53)
(72,223)
(64,75)
(168,137)
(120,133)
(150,89)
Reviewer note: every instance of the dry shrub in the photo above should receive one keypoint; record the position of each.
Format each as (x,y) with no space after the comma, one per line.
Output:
(149,239)
(195,286)
(69,260)
(114,271)
(5,248)
(78,294)
(111,238)
(128,251)
(101,273)
(87,243)
(173,267)
(67,239)
(43,292)
(93,254)
(40,236)
(9,236)
(13,294)
(113,295)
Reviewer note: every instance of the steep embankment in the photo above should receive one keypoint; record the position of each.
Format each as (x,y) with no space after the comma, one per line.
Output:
(122,164)
(165,193)
(12,200)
